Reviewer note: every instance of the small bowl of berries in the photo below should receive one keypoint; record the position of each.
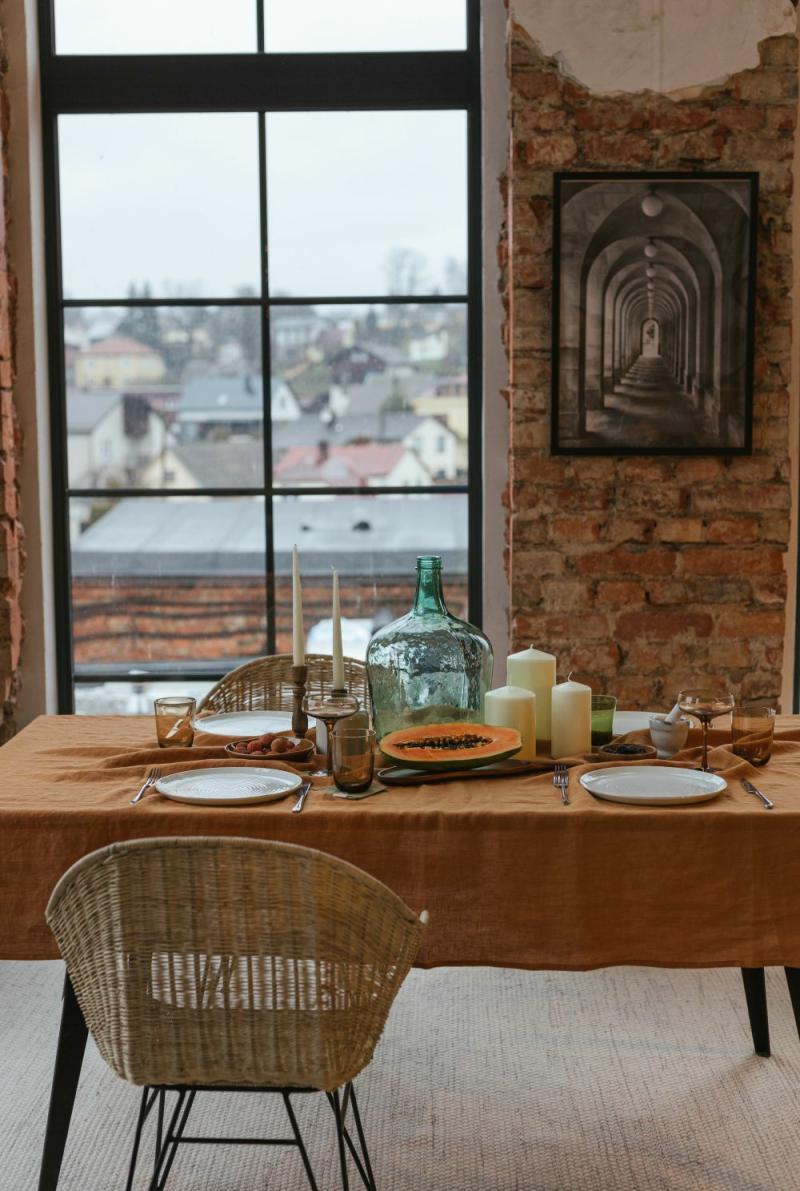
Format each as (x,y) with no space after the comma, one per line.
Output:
(273,746)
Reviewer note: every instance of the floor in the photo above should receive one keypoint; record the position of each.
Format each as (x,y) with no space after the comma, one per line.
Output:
(486,1080)
(647,408)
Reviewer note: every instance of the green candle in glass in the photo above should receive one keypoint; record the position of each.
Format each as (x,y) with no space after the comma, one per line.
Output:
(603,708)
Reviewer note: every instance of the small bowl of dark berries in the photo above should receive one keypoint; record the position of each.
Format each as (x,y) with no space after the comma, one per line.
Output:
(626,750)
(273,746)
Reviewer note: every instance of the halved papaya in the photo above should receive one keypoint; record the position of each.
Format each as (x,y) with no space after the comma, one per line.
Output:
(450,746)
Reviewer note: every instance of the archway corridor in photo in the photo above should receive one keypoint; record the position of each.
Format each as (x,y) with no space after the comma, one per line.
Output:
(653,313)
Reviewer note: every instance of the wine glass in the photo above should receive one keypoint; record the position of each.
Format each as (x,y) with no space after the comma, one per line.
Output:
(330,708)
(705,705)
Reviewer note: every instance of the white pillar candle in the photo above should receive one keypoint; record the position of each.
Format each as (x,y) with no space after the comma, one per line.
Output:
(513,707)
(572,719)
(535,671)
(298,635)
(336,622)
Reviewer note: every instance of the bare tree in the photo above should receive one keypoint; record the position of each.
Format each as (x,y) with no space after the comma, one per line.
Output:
(406,272)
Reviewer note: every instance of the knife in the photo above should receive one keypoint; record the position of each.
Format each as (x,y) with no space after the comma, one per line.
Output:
(751,789)
(298,806)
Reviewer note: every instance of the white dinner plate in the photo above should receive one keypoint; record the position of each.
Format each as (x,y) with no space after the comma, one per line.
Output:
(631,721)
(653,785)
(237,786)
(243,723)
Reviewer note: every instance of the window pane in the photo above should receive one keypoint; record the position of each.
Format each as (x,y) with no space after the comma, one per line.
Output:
(381,393)
(162,205)
(167,397)
(131,698)
(174,579)
(155,26)
(349,25)
(373,541)
(367,202)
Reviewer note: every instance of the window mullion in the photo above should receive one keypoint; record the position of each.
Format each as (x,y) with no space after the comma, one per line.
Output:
(266,388)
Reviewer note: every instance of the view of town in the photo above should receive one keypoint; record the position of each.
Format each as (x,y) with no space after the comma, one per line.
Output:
(169,397)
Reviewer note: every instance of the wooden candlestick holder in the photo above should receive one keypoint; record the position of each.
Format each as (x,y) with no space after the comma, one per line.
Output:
(299,717)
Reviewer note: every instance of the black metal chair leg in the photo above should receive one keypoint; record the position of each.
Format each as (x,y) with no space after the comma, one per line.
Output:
(66,1073)
(300,1143)
(755,991)
(337,1112)
(165,1152)
(144,1108)
(793,980)
(362,1141)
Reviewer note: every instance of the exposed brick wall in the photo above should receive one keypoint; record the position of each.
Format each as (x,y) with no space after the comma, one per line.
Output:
(136,620)
(645,574)
(11,537)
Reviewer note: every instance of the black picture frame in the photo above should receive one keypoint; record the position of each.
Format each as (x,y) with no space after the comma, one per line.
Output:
(624,339)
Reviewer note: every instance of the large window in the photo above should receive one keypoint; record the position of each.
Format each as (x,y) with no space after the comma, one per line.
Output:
(264,325)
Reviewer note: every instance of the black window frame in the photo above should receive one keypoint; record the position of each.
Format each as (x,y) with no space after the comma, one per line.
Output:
(261,83)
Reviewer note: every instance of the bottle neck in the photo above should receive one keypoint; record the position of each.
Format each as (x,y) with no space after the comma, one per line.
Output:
(429,597)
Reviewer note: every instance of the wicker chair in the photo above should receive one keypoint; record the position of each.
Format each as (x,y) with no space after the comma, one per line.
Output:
(266,683)
(202,963)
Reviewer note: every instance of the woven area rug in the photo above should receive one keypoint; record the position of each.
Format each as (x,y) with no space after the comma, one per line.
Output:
(486,1080)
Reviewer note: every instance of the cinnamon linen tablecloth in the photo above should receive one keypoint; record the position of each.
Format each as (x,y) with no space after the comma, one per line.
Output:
(509,875)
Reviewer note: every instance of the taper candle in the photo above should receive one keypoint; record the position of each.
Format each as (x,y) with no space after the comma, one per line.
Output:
(336,624)
(571,732)
(513,707)
(298,635)
(535,671)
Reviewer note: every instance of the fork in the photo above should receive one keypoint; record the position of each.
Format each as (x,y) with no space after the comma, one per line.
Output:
(561,781)
(151,778)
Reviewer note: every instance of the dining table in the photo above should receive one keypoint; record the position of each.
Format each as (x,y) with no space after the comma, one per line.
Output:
(510,874)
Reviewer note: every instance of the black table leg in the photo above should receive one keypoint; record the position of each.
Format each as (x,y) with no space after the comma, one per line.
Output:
(69,1057)
(793,980)
(755,991)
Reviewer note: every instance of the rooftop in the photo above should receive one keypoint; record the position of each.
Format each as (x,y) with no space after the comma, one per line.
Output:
(227,394)
(360,535)
(310,429)
(235,463)
(87,410)
(119,345)
(354,463)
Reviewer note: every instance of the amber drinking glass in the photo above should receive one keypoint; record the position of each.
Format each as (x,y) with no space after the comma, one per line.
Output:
(705,705)
(752,728)
(174,721)
(353,758)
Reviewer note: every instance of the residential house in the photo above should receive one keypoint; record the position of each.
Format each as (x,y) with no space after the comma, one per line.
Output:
(354,465)
(437,446)
(223,405)
(446,398)
(430,348)
(443,452)
(111,438)
(352,365)
(235,462)
(116,362)
(383,393)
(294,329)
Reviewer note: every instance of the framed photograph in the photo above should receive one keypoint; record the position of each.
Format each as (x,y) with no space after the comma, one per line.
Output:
(653,313)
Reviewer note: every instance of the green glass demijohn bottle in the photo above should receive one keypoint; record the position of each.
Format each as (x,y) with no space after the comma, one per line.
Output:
(428,667)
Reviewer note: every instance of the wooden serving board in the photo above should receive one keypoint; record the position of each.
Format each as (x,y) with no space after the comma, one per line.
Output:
(398,775)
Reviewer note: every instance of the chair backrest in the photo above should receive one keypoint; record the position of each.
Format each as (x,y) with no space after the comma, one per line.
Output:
(266,683)
(226,961)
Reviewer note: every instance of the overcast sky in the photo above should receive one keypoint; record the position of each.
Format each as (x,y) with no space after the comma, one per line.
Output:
(195,26)
(172,200)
